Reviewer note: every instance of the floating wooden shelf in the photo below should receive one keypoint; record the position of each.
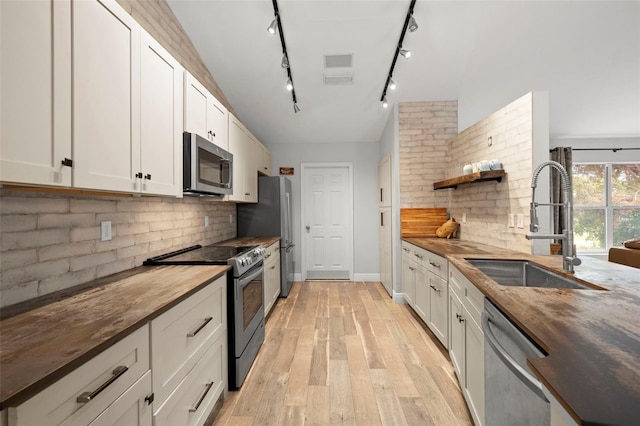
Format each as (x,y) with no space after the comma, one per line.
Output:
(470,178)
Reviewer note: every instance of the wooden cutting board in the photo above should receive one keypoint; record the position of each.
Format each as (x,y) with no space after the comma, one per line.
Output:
(421,222)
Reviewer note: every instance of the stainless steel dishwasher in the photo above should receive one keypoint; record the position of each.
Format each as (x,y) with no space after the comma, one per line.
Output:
(513,395)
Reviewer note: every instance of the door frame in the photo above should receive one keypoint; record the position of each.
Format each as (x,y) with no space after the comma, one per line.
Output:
(304,167)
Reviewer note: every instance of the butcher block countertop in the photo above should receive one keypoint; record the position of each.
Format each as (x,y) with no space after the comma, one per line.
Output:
(249,241)
(41,345)
(592,337)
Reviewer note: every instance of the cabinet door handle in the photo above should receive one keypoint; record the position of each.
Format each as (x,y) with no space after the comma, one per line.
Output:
(435,265)
(147,176)
(202,397)
(380,194)
(419,256)
(206,321)
(273,267)
(381,219)
(266,168)
(67,162)
(139,175)
(411,268)
(85,397)
(437,290)
(247,193)
(406,249)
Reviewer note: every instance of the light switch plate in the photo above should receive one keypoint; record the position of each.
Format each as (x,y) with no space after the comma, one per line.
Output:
(206,221)
(511,223)
(105,230)
(520,220)
(464,218)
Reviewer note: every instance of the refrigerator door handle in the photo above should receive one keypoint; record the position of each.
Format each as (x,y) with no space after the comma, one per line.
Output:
(287,237)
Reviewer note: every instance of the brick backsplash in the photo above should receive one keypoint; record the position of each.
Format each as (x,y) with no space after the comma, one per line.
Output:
(50,242)
(432,150)
(424,130)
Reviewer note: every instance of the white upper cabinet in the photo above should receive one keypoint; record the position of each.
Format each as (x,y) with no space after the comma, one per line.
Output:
(384,178)
(204,114)
(263,159)
(243,146)
(106,97)
(35,82)
(160,120)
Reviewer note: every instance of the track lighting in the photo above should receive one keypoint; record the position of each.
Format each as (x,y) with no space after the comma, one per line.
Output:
(413,25)
(272,26)
(410,24)
(276,25)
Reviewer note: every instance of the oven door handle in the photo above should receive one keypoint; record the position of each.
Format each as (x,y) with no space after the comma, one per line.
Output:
(243,281)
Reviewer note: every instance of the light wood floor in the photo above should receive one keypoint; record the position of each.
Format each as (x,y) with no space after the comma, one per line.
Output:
(343,353)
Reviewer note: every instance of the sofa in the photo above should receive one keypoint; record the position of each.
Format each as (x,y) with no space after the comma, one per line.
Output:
(625,256)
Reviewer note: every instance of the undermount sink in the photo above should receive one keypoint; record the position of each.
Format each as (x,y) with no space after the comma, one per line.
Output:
(521,273)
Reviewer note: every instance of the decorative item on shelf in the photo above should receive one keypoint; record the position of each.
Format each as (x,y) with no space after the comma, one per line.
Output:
(286,171)
(468,168)
(484,165)
(495,164)
(447,229)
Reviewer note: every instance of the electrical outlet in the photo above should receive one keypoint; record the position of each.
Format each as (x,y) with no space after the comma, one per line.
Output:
(520,220)
(464,218)
(511,220)
(105,230)
(206,221)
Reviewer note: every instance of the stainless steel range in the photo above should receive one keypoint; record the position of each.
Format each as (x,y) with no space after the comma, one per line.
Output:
(245,300)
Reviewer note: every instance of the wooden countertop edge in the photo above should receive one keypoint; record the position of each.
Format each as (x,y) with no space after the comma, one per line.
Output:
(27,391)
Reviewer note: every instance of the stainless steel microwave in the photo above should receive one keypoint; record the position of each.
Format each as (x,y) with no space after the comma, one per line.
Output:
(207,168)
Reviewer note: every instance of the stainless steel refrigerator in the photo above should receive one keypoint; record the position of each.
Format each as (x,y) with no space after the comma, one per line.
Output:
(271,217)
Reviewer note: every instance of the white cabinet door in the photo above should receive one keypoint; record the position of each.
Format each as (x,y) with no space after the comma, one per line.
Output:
(160,120)
(386,268)
(421,305)
(266,155)
(438,315)
(106,96)
(253,156)
(474,367)
(204,114)
(408,277)
(271,276)
(243,146)
(35,92)
(456,334)
(132,408)
(384,179)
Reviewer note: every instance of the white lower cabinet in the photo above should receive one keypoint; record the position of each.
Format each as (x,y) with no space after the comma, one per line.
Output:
(181,335)
(82,395)
(271,276)
(194,397)
(408,276)
(466,345)
(132,408)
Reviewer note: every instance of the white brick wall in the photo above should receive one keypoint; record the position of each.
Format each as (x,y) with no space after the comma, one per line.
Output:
(488,204)
(52,241)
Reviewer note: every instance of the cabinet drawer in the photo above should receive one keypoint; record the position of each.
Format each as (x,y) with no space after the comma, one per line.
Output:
(131,408)
(437,264)
(119,366)
(198,392)
(474,301)
(182,334)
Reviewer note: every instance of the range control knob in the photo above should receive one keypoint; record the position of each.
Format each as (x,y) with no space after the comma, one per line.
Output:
(242,262)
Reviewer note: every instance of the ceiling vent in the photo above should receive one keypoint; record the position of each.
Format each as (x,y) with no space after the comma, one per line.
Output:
(338,61)
(338,79)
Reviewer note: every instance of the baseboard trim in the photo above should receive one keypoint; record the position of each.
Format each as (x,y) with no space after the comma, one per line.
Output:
(366,277)
(399,298)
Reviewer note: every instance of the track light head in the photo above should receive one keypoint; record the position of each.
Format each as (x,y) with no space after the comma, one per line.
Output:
(272,27)
(385,104)
(296,108)
(413,25)
(392,84)
(289,85)
(285,61)
(405,53)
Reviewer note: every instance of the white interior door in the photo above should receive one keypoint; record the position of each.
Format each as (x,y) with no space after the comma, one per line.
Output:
(327,212)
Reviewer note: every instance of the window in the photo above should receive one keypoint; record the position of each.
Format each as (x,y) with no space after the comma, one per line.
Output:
(606,199)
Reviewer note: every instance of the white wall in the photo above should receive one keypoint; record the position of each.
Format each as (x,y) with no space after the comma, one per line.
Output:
(364,157)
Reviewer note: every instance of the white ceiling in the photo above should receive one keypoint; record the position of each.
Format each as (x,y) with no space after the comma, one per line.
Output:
(484,54)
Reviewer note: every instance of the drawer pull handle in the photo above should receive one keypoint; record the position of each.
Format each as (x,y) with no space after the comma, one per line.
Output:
(206,321)
(88,396)
(202,397)
(419,256)
(411,268)
(435,265)
(273,267)
(406,249)
(435,288)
